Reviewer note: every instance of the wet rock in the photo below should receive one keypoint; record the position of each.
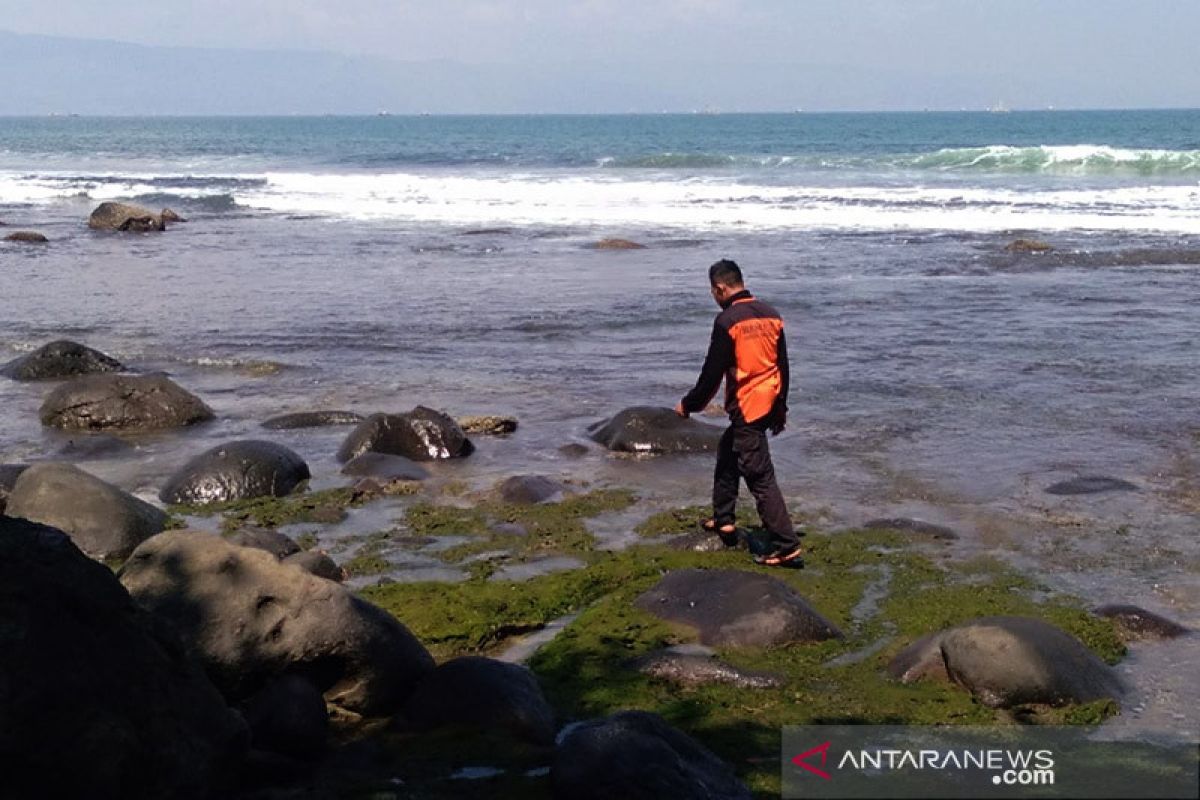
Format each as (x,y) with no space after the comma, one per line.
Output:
(312,419)
(26,237)
(112,216)
(1138,623)
(488,425)
(96,445)
(385,467)
(529,489)
(700,669)
(277,544)
(618,244)
(122,402)
(237,470)
(1091,484)
(635,755)
(701,542)
(574,450)
(8,477)
(316,562)
(736,608)
(1027,246)
(421,434)
(919,527)
(287,716)
(1008,661)
(60,359)
(102,520)
(652,429)
(251,619)
(99,697)
(485,694)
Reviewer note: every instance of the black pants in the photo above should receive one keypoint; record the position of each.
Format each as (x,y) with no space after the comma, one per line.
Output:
(744,453)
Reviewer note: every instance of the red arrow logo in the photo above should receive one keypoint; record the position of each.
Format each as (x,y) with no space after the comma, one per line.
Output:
(800,761)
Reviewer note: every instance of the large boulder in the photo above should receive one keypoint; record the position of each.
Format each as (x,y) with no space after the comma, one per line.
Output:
(635,755)
(103,520)
(97,698)
(277,544)
(386,467)
(653,429)
(1008,661)
(1135,622)
(691,666)
(123,403)
(60,359)
(8,478)
(111,216)
(238,470)
(421,434)
(251,619)
(732,608)
(312,419)
(27,237)
(529,489)
(482,693)
(316,562)
(287,716)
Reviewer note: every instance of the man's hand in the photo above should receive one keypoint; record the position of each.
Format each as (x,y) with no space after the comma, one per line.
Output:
(679,410)
(779,425)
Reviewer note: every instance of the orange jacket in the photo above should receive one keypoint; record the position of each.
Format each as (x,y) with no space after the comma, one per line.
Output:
(749,352)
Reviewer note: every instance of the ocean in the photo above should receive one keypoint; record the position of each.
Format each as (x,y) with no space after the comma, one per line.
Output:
(377,263)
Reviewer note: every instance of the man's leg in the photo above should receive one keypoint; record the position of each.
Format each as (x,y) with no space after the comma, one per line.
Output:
(725,481)
(754,462)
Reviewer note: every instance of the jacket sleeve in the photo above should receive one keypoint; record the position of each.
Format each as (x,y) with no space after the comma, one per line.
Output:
(716,364)
(785,372)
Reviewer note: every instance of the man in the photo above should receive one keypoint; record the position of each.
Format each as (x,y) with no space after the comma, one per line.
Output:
(749,352)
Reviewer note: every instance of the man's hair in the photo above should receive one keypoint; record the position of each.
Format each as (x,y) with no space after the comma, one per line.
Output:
(725,272)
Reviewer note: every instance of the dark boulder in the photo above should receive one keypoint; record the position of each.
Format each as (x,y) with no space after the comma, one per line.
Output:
(1091,484)
(421,434)
(122,402)
(385,467)
(688,668)
(1009,661)
(732,608)
(238,470)
(529,489)
(93,445)
(8,478)
(488,425)
(61,359)
(1138,623)
(312,419)
(618,244)
(914,526)
(111,216)
(99,699)
(316,563)
(287,716)
(102,520)
(26,237)
(651,429)
(277,544)
(250,619)
(482,693)
(635,755)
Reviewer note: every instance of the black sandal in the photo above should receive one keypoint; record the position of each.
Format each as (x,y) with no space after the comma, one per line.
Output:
(793,558)
(728,538)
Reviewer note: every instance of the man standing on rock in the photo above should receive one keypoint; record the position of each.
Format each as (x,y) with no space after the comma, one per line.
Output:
(749,352)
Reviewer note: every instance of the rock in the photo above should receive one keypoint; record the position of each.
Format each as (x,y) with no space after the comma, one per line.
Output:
(652,429)
(701,542)
(60,359)
(733,608)
(1138,623)
(288,716)
(488,426)
(26,237)
(1009,661)
(112,216)
(529,489)
(277,544)
(316,562)
(1027,246)
(238,470)
(1091,484)
(635,755)
(312,419)
(482,693)
(574,450)
(385,467)
(95,445)
(618,244)
(421,434)
(251,619)
(916,526)
(8,477)
(700,669)
(99,698)
(102,520)
(122,402)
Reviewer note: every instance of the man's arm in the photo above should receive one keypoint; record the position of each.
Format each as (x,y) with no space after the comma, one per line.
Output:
(785,381)
(716,364)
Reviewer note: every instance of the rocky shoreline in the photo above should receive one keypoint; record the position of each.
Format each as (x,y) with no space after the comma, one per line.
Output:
(311,672)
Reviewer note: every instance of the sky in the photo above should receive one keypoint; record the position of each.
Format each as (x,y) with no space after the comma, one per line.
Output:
(1089,53)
